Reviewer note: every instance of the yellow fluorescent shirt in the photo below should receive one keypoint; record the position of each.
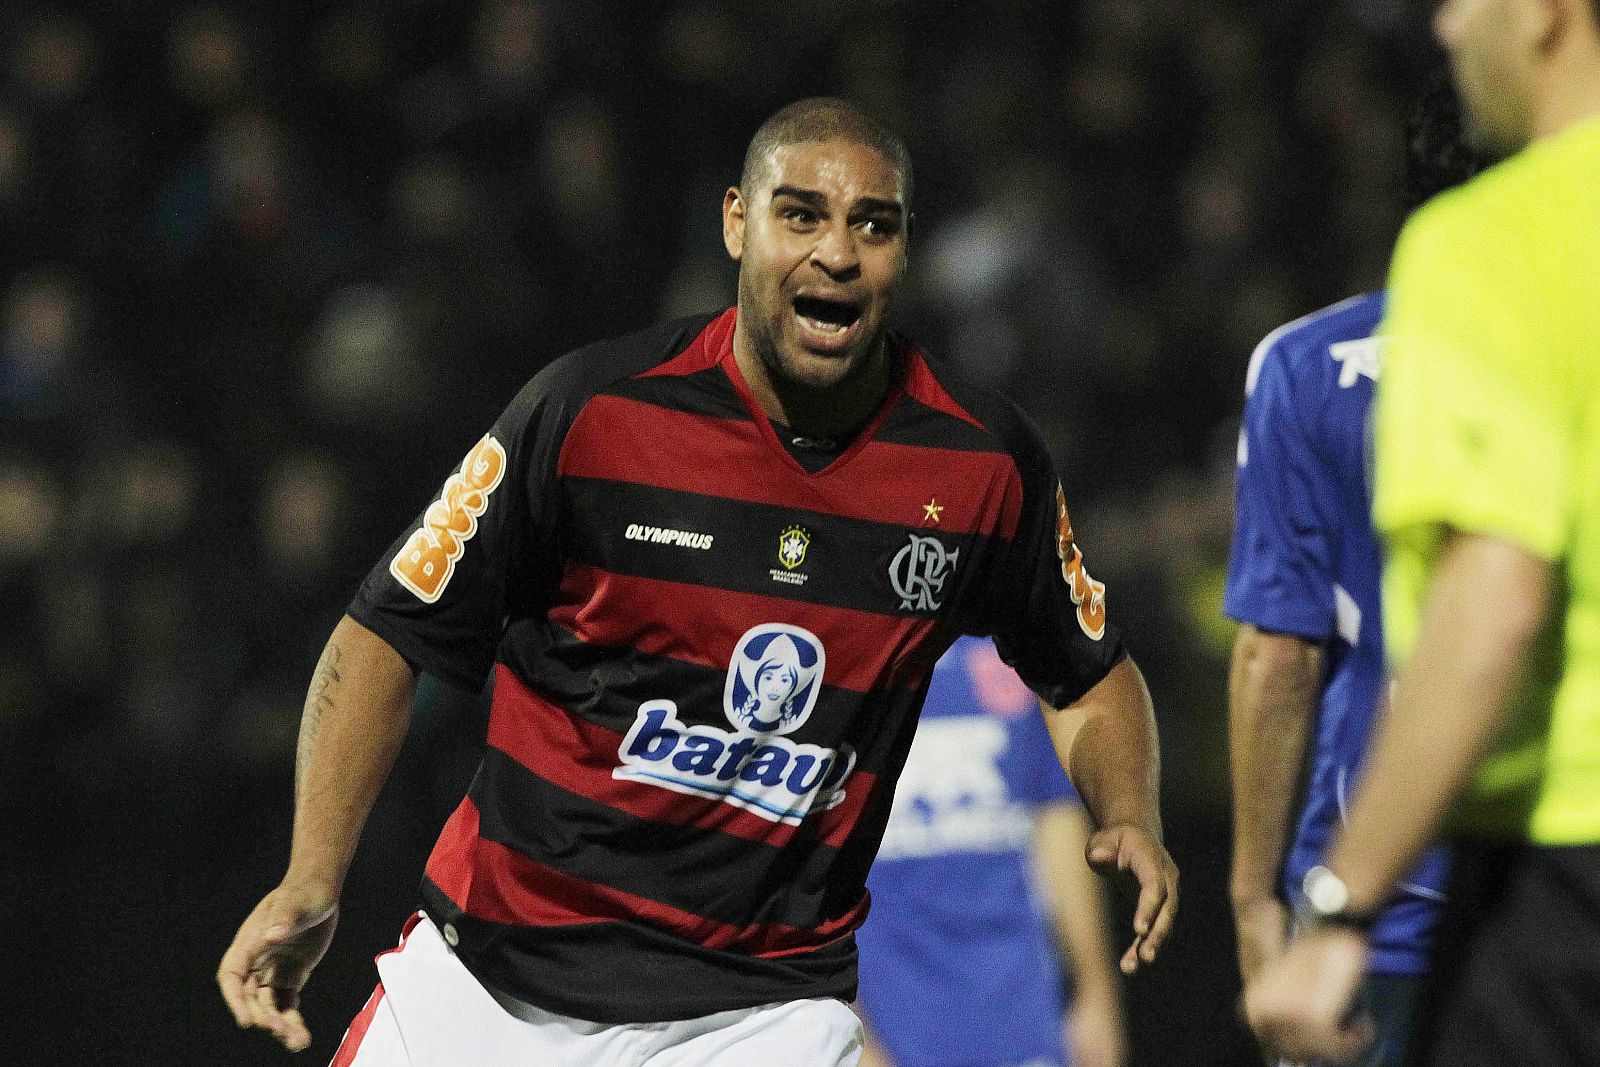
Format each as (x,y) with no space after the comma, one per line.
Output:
(1488,420)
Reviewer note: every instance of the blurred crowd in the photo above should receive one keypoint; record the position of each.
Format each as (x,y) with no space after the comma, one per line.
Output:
(267,270)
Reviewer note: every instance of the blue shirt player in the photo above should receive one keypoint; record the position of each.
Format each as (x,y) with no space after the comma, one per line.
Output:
(979,889)
(1308,665)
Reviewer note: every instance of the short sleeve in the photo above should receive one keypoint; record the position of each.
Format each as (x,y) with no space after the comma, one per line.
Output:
(441,593)
(1471,426)
(1280,567)
(1049,617)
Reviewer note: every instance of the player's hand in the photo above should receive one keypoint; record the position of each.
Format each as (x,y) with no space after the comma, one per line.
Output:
(271,957)
(1301,1005)
(1123,847)
(1095,1037)
(1262,929)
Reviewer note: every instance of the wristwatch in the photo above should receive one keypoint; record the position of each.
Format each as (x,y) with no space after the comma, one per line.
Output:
(1324,900)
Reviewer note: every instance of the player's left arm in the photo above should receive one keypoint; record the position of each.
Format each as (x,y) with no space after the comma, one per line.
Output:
(1450,702)
(1106,740)
(1096,1036)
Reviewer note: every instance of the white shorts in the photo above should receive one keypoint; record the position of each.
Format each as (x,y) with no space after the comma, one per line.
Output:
(429,1011)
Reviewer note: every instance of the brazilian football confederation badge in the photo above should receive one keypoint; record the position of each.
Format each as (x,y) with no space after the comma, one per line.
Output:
(792,545)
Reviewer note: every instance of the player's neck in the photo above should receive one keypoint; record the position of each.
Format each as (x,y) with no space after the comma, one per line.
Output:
(835,411)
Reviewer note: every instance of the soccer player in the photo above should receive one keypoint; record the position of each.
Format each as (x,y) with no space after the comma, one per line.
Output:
(710,566)
(980,890)
(1308,664)
(1488,463)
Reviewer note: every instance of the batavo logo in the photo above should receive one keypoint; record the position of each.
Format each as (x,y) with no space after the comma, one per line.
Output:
(771,688)
(428,559)
(1088,594)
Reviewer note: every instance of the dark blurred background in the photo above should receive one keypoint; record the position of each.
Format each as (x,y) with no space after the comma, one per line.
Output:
(267,270)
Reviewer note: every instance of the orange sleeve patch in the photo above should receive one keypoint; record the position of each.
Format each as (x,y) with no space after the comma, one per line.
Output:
(428,558)
(1087,594)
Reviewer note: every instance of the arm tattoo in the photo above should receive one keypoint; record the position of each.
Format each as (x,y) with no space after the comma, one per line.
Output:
(319,698)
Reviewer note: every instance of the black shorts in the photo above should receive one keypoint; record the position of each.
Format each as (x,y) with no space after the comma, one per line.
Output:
(1515,975)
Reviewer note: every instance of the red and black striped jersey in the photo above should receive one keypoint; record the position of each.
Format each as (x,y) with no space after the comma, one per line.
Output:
(708,663)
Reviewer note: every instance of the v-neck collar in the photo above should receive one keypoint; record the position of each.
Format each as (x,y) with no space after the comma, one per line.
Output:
(864,436)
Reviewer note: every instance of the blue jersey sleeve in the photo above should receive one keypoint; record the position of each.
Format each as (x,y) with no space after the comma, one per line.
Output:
(1281,570)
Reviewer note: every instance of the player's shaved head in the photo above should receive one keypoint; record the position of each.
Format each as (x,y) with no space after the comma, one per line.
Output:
(823,118)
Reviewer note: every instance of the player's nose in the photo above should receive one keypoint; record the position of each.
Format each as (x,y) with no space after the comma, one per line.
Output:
(835,251)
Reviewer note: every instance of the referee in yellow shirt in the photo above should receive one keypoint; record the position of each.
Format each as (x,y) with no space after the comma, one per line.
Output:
(1488,491)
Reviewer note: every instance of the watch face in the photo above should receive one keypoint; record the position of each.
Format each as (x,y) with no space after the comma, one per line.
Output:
(1325,891)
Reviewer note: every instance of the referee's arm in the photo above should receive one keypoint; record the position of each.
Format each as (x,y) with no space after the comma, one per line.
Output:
(1450,703)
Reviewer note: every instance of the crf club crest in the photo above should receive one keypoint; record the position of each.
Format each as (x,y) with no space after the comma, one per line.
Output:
(919,571)
(1088,595)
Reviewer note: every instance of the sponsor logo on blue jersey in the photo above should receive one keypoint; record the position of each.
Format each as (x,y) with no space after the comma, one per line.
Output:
(952,797)
(773,680)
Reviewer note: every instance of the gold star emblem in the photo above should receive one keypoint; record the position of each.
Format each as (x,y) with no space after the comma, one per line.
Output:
(931,510)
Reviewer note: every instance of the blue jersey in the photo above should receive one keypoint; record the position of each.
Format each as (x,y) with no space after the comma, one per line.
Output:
(958,959)
(1307,562)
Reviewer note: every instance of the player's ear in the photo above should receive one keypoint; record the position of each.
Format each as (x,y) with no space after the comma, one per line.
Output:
(733,220)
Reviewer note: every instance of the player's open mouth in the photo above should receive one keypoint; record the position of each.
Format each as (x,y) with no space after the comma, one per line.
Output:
(826,324)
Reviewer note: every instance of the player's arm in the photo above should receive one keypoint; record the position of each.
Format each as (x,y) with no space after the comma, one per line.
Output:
(1106,740)
(1450,702)
(1077,913)
(873,1054)
(1272,699)
(355,718)
(1280,589)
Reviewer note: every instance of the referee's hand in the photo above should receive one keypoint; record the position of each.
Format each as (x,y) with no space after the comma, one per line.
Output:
(270,959)
(1302,1004)
(1126,848)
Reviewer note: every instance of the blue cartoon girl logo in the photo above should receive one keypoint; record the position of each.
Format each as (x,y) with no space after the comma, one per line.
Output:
(774,678)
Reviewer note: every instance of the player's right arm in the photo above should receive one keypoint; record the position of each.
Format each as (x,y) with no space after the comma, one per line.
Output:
(436,601)
(1273,687)
(356,713)
(1280,588)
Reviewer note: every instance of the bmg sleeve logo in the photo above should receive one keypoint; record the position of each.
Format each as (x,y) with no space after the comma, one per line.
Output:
(426,562)
(1088,595)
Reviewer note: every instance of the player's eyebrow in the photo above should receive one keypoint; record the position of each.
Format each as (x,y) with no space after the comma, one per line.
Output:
(865,204)
(873,204)
(805,196)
